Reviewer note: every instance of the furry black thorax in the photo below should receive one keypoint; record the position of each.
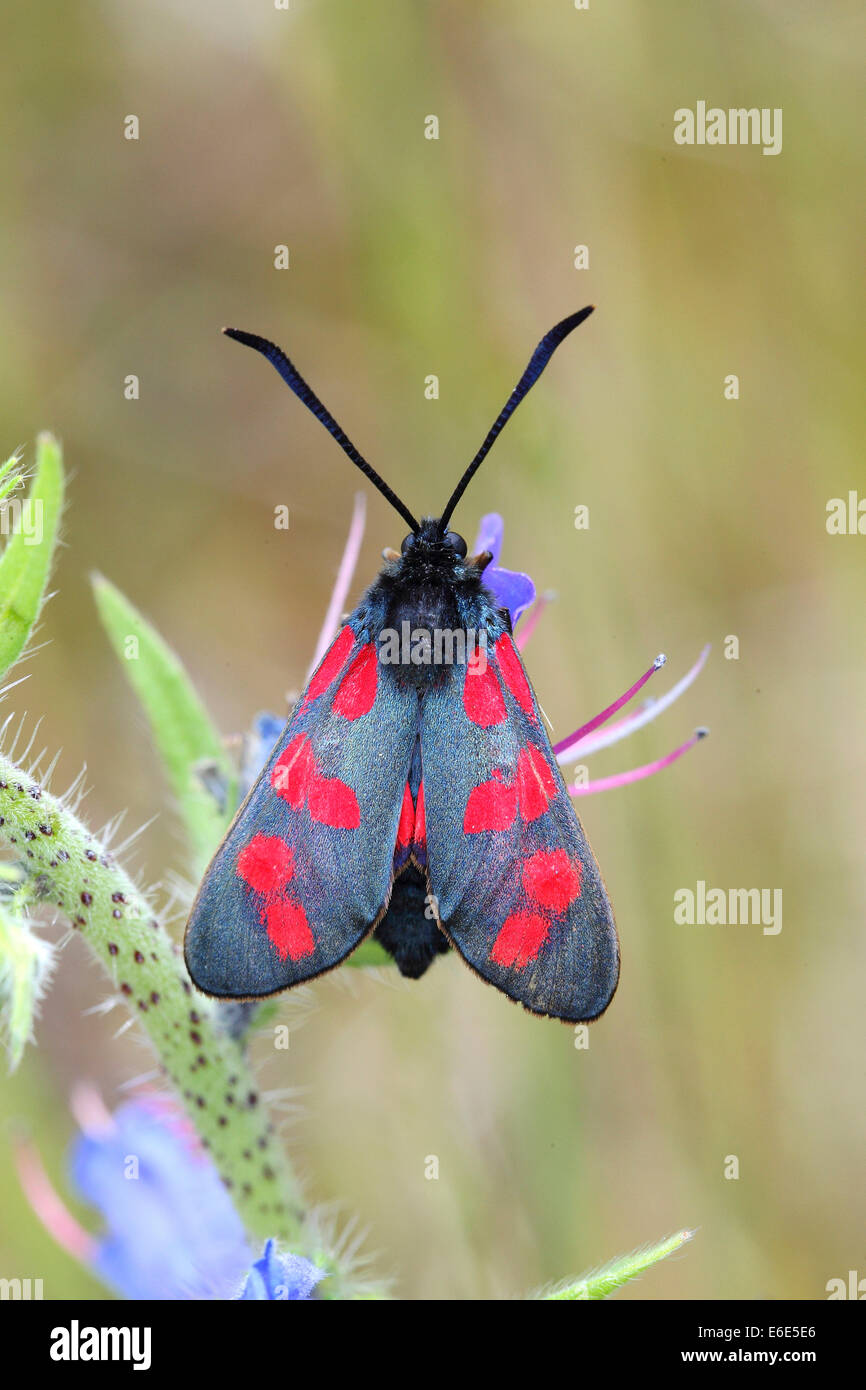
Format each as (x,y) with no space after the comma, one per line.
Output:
(431,586)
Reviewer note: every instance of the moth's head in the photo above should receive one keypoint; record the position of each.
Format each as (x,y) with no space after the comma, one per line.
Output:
(434,548)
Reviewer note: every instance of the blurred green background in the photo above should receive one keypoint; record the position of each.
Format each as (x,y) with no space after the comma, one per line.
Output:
(707,518)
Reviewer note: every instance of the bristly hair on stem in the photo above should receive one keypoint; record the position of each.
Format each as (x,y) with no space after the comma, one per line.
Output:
(290,374)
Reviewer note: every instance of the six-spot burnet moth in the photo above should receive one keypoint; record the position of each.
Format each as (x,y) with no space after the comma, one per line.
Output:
(418,799)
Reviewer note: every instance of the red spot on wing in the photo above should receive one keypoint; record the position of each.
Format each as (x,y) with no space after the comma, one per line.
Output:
(296,779)
(491,806)
(407,819)
(288,929)
(552,879)
(519,940)
(266,864)
(513,673)
(482,697)
(291,773)
(332,664)
(332,802)
(420,835)
(535,782)
(357,690)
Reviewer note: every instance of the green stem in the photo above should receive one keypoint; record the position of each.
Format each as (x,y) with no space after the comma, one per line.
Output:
(74,870)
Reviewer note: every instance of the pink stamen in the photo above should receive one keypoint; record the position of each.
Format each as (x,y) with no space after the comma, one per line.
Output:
(567,744)
(637,774)
(55,1217)
(649,711)
(90,1111)
(530,618)
(337,605)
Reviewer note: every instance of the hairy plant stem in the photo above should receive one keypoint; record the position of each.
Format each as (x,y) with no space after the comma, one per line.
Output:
(69,867)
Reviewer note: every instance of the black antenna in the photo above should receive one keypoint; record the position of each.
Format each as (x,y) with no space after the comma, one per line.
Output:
(537,363)
(293,378)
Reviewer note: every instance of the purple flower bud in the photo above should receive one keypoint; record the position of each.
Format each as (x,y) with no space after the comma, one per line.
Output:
(511,588)
(276,1276)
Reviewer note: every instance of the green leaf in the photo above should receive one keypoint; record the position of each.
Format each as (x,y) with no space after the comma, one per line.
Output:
(26,561)
(600,1283)
(187,741)
(369,953)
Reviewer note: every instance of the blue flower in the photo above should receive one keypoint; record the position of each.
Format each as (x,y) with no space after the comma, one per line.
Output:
(171,1230)
(511,588)
(278,1276)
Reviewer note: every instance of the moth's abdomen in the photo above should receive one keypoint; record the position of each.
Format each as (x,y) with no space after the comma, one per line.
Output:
(407,934)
